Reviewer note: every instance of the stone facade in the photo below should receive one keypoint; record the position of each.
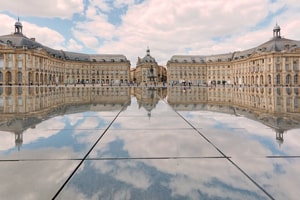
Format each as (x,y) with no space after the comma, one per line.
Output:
(274,63)
(147,71)
(24,61)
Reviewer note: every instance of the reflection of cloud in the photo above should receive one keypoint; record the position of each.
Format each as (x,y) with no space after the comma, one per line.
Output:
(161,179)
(187,176)
(33,180)
(7,140)
(250,138)
(45,129)
(280,176)
(125,172)
(248,142)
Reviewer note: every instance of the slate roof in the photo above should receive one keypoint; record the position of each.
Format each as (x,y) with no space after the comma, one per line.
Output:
(146,59)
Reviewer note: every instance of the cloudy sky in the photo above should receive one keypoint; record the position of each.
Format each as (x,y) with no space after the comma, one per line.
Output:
(167,27)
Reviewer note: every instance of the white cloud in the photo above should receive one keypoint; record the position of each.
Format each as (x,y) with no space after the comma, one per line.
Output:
(121,3)
(74,46)
(44,35)
(45,8)
(167,27)
(100,4)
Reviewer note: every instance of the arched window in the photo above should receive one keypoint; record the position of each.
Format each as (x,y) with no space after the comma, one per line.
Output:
(278,79)
(8,77)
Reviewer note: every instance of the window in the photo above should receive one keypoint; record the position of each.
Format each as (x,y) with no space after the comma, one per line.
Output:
(288,79)
(295,66)
(19,77)
(287,67)
(10,64)
(277,59)
(277,67)
(278,79)
(20,63)
(1,61)
(269,79)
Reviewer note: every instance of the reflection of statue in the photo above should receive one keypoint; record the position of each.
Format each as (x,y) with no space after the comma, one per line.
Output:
(19,140)
(279,137)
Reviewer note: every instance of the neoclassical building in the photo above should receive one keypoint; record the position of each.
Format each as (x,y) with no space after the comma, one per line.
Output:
(273,63)
(148,71)
(23,61)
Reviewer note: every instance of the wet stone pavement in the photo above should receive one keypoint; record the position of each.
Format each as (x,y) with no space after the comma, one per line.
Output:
(145,147)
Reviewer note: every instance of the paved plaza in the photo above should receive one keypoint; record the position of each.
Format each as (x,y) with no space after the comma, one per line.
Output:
(145,151)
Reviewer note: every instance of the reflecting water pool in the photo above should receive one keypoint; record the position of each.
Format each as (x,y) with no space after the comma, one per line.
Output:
(149,143)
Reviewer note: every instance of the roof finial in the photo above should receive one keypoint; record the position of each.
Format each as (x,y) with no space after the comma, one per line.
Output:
(276,31)
(148,51)
(18,27)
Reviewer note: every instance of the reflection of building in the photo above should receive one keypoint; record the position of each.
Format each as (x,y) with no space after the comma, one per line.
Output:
(149,97)
(148,71)
(277,108)
(265,100)
(273,63)
(24,107)
(24,61)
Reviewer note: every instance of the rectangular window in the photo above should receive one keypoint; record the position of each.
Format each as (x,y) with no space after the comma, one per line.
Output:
(287,67)
(20,64)
(295,66)
(10,64)
(277,67)
(20,101)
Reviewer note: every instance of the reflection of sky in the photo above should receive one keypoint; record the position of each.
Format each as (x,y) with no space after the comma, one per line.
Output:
(225,130)
(162,156)
(248,143)
(33,180)
(160,179)
(60,132)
